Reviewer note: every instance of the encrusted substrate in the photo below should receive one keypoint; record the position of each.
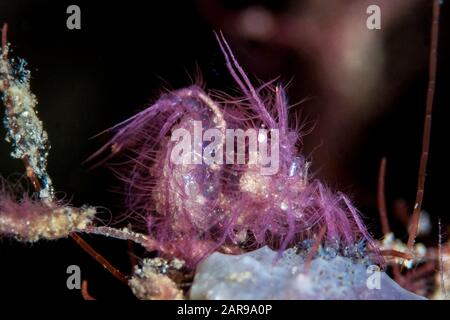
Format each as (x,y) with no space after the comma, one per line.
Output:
(259,275)
(54,223)
(24,129)
(151,282)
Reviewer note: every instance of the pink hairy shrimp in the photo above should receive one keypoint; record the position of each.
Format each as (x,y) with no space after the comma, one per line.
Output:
(192,210)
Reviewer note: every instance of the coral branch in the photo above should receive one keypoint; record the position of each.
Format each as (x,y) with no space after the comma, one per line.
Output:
(123,234)
(427,125)
(24,129)
(32,220)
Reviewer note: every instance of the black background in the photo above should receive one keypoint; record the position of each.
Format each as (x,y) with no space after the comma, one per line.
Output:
(87,80)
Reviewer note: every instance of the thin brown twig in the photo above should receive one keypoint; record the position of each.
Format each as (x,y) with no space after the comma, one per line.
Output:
(420,271)
(397,254)
(131,255)
(427,124)
(84,291)
(397,274)
(382,199)
(99,258)
(314,249)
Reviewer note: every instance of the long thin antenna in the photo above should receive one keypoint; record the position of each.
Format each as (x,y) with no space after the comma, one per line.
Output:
(427,126)
(242,80)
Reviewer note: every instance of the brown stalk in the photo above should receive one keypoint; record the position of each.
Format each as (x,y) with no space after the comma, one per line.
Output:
(382,199)
(427,124)
(314,249)
(108,266)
